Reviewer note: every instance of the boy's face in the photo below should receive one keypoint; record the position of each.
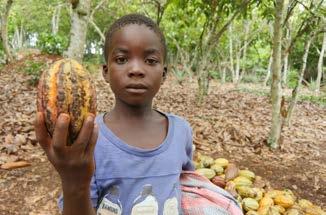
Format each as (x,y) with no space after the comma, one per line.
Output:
(135,64)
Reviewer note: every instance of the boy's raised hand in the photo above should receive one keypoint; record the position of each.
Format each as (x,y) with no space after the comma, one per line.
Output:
(75,163)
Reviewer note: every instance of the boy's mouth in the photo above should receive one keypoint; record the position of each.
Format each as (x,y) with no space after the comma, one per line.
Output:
(136,88)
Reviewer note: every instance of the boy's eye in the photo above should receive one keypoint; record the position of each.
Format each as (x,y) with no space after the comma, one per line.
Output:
(121,60)
(151,61)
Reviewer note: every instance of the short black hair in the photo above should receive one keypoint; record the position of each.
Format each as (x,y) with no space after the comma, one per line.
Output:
(138,19)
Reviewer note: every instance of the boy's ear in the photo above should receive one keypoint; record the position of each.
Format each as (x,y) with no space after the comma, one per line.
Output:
(105,72)
(165,71)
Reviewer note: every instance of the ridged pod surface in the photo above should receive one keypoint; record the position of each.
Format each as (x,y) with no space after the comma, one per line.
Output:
(66,88)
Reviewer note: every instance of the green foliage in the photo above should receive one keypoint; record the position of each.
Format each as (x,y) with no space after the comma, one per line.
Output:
(250,78)
(214,74)
(2,56)
(52,44)
(312,85)
(257,92)
(319,100)
(292,78)
(179,74)
(34,70)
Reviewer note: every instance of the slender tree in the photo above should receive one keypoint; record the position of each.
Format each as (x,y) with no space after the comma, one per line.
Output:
(295,92)
(4,31)
(320,62)
(276,89)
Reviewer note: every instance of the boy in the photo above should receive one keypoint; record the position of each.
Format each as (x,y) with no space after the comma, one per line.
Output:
(140,152)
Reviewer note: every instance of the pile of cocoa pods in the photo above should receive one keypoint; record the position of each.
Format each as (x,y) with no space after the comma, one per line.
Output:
(252,193)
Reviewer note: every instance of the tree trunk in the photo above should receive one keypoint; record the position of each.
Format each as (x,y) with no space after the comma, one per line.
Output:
(212,40)
(295,92)
(268,69)
(4,31)
(203,82)
(285,68)
(286,57)
(244,53)
(56,19)
(320,63)
(237,69)
(17,41)
(276,89)
(78,31)
(223,74)
(231,53)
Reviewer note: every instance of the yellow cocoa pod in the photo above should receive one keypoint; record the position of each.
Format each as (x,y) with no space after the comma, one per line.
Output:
(206,161)
(242,181)
(279,208)
(198,165)
(289,192)
(264,204)
(273,211)
(250,204)
(273,193)
(304,203)
(246,192)
(293,211)
(218,169)
(314,210)
(222,176)
(263,210)
(221,162)
(239,200)
(284,200)
(208,173)
(247,174)
(252,213)
(259,193)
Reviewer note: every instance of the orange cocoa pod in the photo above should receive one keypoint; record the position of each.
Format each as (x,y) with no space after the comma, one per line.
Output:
(66,88)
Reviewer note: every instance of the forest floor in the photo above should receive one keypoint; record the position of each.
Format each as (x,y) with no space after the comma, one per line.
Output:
(230,124)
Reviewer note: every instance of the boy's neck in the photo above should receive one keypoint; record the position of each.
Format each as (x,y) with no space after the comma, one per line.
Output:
(122,111)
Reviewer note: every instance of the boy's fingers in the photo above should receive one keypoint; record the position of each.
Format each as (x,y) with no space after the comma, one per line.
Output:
(85,132)
(41,132)
(93,140)
(60,133)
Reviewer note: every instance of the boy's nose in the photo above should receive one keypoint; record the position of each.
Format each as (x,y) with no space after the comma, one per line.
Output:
(136,70)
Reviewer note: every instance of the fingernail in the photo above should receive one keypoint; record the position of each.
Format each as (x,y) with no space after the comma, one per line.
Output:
(64,116)
(90,118)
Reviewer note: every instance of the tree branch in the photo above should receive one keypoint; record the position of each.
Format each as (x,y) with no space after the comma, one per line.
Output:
(97,29)
(224,28)
(97,7)
(289,12)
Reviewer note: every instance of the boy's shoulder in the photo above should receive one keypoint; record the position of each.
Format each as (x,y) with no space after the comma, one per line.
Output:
(178,119)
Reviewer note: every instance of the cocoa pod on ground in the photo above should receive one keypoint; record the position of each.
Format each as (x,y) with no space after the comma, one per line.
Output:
(66,88)
(219,181)
(231,172)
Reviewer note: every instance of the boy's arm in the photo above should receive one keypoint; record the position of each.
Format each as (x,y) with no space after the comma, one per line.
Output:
(189,150)
(77,201)
(75,163)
